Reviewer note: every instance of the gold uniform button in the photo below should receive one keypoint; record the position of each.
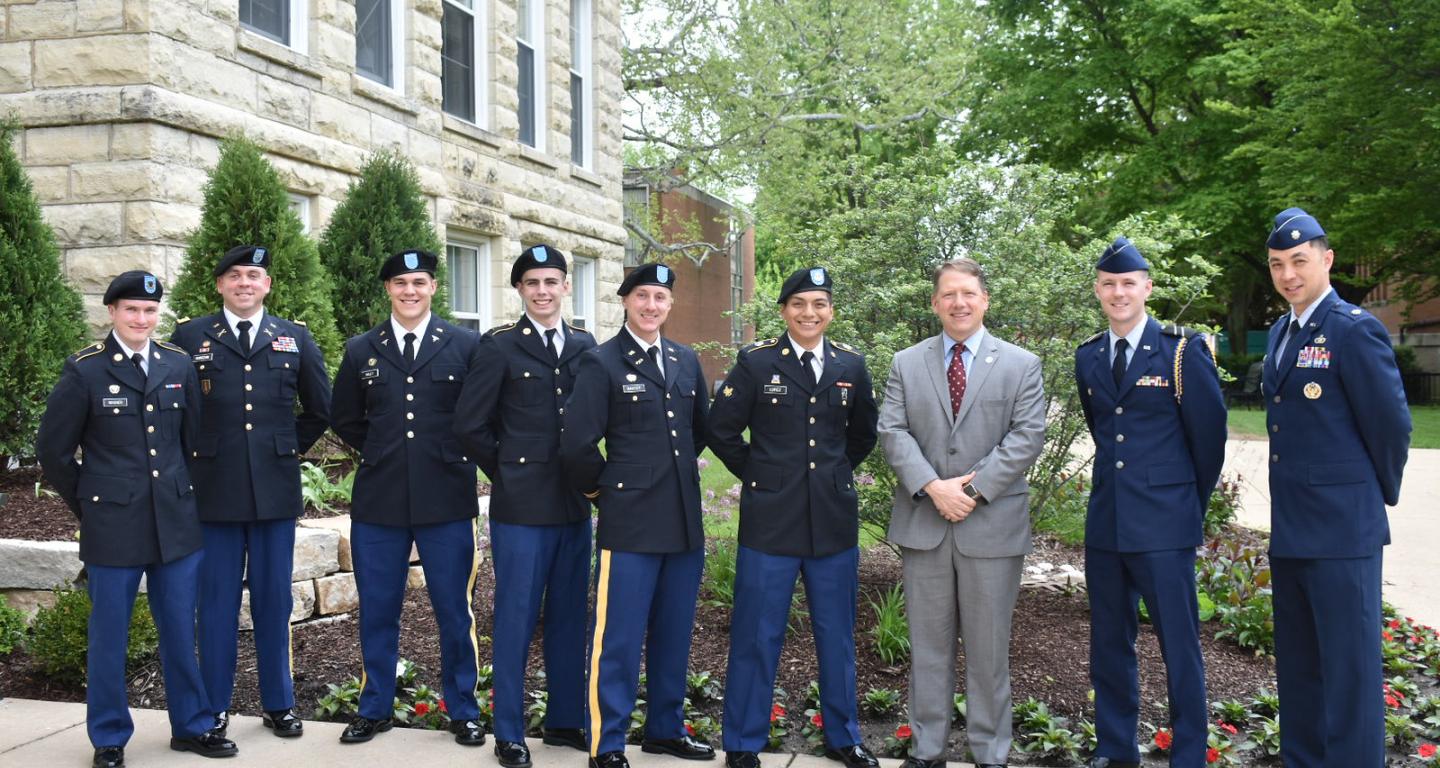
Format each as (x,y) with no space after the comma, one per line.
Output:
(409,379)
(812,400)
(410,416)
(1119,438)
(150,428)
(94,498)
(618,486)
(149,406)
(154,473)
(249,427)
(249,407)
(522,459)
(812,465)
(248,387)
(409,396)
(1119,410)
(410,435)
(247,367)
(812,419)
(1119,465)
(152,451)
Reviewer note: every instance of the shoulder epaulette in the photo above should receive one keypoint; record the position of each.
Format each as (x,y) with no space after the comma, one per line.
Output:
(169,346)
(300,323)
(1096,337)
(501,328)
(182,321)
(761,344)
(843,347)
(93,349)
(576,329)
(1171,329)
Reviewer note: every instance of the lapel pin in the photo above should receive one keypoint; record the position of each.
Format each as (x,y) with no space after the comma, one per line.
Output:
(371,361)
(119,357)
(435,338)
(1145,347)
(989,359)
(785,351)
(630,377)
(114,389)
(1320,339)
(525,331)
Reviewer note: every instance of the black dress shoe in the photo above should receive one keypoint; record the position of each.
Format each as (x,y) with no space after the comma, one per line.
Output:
(222,723)
(609,760)
(854,756)
(108,757)
(742,760)
(468,732)
(207,744)
(362,729)
(920,762)
(512,754)
(284,722)
(1110,762)
(573,738)
(686,747)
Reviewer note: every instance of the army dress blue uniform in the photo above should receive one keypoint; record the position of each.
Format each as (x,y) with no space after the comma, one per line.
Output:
(799,515)
(415,485)
(649,535)
(246,468)
(133,497)
(509,421)
(1159,447)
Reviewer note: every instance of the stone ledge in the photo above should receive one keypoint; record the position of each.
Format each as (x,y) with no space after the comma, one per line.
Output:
(470,130)
(279,53)
(383,94)
(587,176)
(317,553)
(38,564)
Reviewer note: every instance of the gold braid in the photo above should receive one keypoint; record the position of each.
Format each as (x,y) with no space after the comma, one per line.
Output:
(1179,367)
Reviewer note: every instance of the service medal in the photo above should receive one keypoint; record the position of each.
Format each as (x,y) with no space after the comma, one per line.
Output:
(1312,391)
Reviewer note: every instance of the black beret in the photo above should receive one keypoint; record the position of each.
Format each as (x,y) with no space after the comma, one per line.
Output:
(537,257)
(647,274)
(244,256)
(1293,226)
(135,284)
(406,262)
(807,279)
(1122,256)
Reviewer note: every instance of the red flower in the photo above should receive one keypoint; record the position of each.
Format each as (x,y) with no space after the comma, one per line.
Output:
(817,721)
(1391,701)
(1385,633)
(903,732)
(490,705)
(1426,751)
(1212,755)
(421,708)
(776,712)
(442,707)
(1162,739)
(690,729)
(1228,728)
(1394,623)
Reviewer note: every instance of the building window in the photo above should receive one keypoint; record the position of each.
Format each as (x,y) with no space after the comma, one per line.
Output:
(460,62)
(580,82)
(300,206)
(379,30)
(737,291)
(283,21)
(637,209)
(469,266)
(530,59)
(582,290)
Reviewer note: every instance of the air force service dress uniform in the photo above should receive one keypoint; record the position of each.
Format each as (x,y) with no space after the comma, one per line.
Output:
(508,420)
(1339,436)
(133,497)
(1159,445)
(415,485)
(649,535)
(799,515)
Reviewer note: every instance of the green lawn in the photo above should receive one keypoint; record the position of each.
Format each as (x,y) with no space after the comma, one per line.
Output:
(1251,423)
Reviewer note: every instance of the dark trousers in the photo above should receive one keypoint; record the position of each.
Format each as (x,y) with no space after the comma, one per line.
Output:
(172,602)
(642,601)
(1328,663)
(382,561)
(540,567)
(763,587)
(1166,579)
(268,546)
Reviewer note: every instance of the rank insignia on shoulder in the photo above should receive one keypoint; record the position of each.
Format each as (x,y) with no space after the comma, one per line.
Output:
(1354,311)
(729,391)
(301,323)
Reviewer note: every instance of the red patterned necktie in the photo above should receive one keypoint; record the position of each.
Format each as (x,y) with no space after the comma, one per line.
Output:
(956,374)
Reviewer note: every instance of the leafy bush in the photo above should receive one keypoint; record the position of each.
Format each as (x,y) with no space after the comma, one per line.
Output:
(702,688)
(318,490)
(341,700)
(879,702)
(719,581)
(891,634)
(58,638)
(12,627)
(1224,503)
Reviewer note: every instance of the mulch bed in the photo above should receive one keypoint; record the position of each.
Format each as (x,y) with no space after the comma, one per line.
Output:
(31,516)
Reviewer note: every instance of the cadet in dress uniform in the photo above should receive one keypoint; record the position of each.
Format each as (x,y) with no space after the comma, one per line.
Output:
(509,420)
(246,469)
(1339,437)
(1151,397)
(131,405)
(811,412)
(645,396)
(394,402)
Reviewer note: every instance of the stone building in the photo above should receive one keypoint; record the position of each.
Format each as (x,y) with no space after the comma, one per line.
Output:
(509,110)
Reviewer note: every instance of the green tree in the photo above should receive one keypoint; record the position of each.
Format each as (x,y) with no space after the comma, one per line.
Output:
(383,212)
(41,314)
(246,203)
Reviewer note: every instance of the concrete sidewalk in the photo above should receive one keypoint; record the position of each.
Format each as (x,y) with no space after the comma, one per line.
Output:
(1410,560)
(52,734)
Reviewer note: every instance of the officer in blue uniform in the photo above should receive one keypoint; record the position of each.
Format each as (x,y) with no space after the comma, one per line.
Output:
(394,402)
(1339,436)
(509,420)
(645,396)
(1151,397)
(810,409)
(246,469)
(131,405)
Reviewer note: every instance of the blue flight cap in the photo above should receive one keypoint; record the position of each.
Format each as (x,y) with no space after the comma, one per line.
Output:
(1122,256)
(1293,226)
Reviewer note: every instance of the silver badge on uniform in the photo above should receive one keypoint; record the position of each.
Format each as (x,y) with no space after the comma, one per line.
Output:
(540,254)
(662,273)
(258,256)
(412,260)
(114,389)
(817,276)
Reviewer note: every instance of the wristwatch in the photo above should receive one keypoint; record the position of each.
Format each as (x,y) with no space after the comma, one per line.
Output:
(974,493)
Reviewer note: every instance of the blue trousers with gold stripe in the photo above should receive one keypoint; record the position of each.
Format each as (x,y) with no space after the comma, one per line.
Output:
(450,559)
(535,566)
(763,586)
(269,548)
(641,599)
(172,603)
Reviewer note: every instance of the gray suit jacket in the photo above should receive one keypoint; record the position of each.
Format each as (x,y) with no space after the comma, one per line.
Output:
(998,433)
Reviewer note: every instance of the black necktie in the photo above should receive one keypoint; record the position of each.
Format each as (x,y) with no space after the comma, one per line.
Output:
(244,326)
(1117,368)
(1286,356)
(139,361)
(654,353)
(808,360)
(410,348)
(550,343)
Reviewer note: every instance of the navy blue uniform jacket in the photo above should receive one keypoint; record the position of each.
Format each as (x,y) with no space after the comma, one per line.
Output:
(401,418)
(654,428)
(1156,460)
(245,462)
(797,495)
(132,493)
(1339,434)
(508,420)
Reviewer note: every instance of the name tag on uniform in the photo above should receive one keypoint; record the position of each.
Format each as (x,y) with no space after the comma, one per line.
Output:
(369,373)
(1152,381)
(632,388)
(284,344)
(1313,357)
(203,357)
(115,402)
(776,389)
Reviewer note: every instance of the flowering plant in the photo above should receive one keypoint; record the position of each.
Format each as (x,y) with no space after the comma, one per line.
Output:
(779,726)
(813,729)
(898,745)
(1427,753)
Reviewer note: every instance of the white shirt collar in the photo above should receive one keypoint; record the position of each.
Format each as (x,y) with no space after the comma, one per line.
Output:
(1310,310)
(1133,337)
(399,331)
(233,320)
(819,352)
(144,351)
(644,345)
(559,326)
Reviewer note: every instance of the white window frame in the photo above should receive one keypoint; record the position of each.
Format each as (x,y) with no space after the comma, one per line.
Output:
(539,79)
(581,66)
(299,13)
(481,58)
(484,299)
(582,293)
(300,204)
(397,48)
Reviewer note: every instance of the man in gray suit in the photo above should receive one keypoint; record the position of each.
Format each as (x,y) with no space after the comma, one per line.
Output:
(963,420)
